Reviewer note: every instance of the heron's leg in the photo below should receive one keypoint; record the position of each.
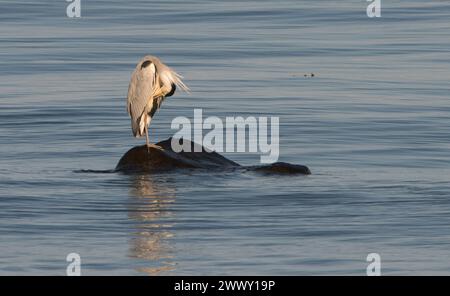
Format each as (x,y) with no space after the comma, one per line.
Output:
(146,138)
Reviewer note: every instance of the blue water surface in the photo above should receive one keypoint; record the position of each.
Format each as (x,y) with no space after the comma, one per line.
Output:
(372,124)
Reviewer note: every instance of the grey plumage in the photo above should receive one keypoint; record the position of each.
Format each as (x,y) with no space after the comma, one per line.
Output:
(151,82)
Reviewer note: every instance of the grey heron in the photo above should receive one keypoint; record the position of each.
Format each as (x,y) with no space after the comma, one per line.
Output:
(151,82)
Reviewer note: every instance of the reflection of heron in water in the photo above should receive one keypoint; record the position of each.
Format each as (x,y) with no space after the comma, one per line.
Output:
(148,208)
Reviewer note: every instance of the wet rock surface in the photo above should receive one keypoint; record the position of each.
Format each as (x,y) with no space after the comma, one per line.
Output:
(281,168)
(161,157)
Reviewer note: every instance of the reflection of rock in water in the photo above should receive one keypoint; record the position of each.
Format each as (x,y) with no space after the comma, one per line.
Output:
(148,207)
(161,157)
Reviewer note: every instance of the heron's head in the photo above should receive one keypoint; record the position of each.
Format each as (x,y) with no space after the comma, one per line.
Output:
(167,84)
(166,80)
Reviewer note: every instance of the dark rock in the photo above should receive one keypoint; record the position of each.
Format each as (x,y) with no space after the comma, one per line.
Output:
(282,168)
(161,157)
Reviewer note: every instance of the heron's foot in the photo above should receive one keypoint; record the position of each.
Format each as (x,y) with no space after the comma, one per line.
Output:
(150,145)
(153,146)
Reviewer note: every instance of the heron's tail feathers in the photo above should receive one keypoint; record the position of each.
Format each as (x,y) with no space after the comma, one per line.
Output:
(177,80)
(138,126)
(135,126)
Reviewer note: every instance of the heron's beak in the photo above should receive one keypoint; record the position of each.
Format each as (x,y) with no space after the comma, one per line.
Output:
(172,90)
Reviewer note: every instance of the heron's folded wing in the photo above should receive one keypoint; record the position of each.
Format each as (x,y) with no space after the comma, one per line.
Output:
(140,91)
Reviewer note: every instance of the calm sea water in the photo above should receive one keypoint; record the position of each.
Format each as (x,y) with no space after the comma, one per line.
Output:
(373,126)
